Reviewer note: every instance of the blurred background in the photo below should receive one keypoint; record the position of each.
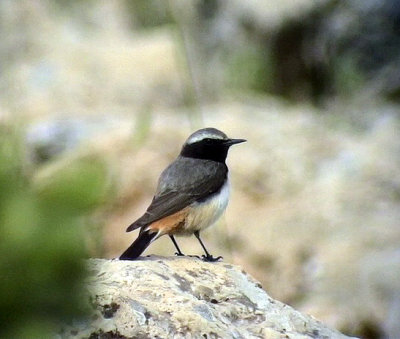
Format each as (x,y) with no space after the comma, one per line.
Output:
(97,97)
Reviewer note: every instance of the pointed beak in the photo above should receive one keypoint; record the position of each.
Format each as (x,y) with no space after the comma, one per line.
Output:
(231,142)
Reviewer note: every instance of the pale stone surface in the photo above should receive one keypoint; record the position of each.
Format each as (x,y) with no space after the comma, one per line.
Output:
(172,297)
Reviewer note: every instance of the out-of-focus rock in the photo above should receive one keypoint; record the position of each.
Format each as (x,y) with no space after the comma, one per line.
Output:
(185,298)
(48,139)
(377,268)
(58,62)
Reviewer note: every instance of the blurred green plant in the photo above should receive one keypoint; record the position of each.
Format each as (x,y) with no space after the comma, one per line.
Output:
(41,241)
(250,68)
(148,13)
(348,77)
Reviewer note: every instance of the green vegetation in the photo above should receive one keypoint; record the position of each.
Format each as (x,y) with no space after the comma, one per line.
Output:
(41,247)
(250,68)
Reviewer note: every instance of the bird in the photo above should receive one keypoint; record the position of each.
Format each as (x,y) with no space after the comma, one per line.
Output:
(191,195)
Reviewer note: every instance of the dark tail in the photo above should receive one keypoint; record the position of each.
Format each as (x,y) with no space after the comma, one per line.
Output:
(138,246)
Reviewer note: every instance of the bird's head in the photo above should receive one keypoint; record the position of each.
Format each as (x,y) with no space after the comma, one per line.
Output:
(208,143)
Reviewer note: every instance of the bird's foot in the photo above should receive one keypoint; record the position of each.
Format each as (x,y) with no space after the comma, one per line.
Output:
(210,258)
(189,255)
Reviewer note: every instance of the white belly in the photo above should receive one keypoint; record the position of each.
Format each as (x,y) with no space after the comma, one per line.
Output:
(204,214)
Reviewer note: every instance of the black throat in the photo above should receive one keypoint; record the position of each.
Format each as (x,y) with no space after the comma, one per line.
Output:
(215,150)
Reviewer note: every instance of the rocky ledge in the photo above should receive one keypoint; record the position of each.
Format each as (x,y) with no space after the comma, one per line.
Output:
(175,297)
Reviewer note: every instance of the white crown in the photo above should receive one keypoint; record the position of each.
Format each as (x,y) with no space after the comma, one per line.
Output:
(204,133)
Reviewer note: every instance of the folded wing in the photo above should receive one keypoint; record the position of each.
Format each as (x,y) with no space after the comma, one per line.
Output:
(178,188)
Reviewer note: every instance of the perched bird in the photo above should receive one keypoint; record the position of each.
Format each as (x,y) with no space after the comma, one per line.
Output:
(192,193)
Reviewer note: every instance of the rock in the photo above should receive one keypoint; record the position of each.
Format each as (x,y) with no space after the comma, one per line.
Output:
(170,297)
(50,138)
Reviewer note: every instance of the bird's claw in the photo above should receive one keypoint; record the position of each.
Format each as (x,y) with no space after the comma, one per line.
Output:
(210,258)
(179,254)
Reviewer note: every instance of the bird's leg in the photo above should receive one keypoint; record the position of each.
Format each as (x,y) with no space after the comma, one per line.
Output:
(179,253)
(208,256)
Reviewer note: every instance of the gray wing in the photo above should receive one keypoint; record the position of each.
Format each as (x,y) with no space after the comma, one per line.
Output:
(183,182)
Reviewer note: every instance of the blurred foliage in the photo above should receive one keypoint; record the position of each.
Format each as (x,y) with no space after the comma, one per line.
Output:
(149,13)
(42,244)
(250,68)
(348,77)
(142,128)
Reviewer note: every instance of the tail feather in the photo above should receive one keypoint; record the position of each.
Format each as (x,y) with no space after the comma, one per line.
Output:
(135,225)
(139,245)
